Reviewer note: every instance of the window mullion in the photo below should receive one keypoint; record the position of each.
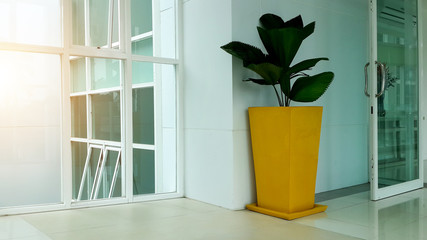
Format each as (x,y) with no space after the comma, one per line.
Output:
(87,22)
(88,71)
(86,51)
(160,60)
(67,174)
(88,98)
(110,23)
(126,45)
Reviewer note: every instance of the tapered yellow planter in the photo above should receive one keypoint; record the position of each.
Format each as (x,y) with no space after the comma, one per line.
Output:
(285,147)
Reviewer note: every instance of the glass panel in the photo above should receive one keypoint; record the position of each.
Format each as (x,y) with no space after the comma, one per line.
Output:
(143,171)
(78,22)
(159,42)
(30,133)
(79,153)
(141,17)
(142,24)
(142,72)
(106,179)
(78,74)
(398,107)
(106,116)
(78,117)
(143,47)
(143,115)
(95,155)
(105,73)
(115,33)
(98,22)
(31,22)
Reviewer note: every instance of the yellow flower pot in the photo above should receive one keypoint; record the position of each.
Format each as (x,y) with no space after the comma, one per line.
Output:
(285,147)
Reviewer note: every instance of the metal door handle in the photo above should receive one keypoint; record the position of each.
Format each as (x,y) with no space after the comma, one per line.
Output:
(382,79)
(366,80)
(382,67)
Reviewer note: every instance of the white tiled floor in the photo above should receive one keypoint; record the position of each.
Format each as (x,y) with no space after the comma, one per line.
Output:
(351,217)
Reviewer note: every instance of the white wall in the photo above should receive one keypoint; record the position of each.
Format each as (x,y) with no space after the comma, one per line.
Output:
(207,94)
(218,158)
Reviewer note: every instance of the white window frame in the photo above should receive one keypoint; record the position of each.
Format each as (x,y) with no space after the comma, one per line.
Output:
(124,53)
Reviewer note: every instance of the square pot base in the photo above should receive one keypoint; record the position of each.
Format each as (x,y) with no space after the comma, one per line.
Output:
(288,216)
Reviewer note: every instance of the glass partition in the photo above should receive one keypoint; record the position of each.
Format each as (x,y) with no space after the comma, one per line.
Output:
(78,74)
(31,22)
(30,133)
(78,117)
(143,115)
(154,140)
(96,122)
(142,27)
(89,173)
(110,180)
(398,116)
(143,172)
(97,28)
(150,39)
(106,116)
(105,73)
(91,117)
(142,72)
(78,153)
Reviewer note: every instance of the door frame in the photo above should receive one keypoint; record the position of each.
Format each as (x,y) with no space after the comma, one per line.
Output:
(380,193)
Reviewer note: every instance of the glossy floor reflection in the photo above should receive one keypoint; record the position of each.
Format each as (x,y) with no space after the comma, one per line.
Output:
(350,217)
(400,217)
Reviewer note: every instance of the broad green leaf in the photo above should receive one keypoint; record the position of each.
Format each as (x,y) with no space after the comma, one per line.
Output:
(295,22)
(308,30)
(257,81)
(268,71)
(248,53)
(309,89)
(285,83)
(285,43)
(271,21)
(305,65)
(272,56)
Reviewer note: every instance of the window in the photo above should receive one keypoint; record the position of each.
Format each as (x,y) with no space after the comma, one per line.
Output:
(154,129)
(95,108)
(99,97)
(96,123)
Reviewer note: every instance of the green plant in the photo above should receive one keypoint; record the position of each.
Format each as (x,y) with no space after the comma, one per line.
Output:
(282,41)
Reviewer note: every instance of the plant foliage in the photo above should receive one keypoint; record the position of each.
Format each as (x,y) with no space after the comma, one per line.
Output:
(282,41)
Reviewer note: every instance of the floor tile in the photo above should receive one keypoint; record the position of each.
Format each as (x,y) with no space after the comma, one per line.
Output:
(350,217)
(16,227)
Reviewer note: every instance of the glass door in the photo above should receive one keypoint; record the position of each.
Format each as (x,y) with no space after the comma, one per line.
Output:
(393,89)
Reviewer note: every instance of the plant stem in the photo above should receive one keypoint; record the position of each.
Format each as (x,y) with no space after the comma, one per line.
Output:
(278,97)
(281,94)
(288,102)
